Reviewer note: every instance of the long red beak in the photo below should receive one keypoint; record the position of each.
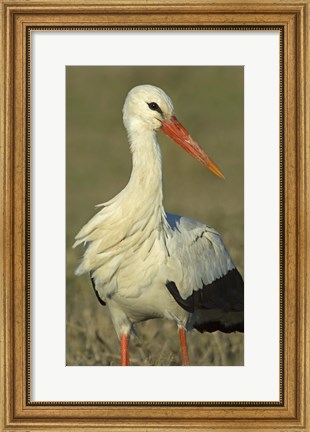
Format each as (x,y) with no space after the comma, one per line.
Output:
(176,131)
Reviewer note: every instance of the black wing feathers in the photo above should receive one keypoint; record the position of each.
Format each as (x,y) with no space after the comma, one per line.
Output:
(96,292)
(187,304)
(216,306)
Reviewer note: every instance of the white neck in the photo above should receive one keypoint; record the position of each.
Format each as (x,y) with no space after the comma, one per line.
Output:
(146,176)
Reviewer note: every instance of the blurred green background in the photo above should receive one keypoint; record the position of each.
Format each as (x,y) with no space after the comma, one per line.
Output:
(208,101)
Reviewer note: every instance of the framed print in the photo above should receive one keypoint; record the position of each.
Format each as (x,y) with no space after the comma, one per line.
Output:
(227,83)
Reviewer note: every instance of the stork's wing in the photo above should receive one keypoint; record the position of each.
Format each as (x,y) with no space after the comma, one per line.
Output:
(102,302)
(202,276)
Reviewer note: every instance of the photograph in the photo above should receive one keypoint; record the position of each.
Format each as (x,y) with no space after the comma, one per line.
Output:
(154,215)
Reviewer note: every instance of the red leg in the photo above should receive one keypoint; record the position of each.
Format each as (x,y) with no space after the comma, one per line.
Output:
(124,350)
(184,353)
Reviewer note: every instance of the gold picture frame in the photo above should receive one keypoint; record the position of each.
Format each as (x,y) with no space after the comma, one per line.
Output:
(18,412)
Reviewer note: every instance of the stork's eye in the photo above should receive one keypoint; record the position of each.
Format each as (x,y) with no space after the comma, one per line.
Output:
(154,107)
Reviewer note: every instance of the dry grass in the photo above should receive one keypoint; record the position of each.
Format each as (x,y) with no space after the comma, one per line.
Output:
(209,101)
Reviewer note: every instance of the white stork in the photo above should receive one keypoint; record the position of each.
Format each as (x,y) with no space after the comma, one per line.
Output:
(145,263)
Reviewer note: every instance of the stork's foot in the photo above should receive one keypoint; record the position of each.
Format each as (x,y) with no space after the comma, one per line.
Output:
(184,353)
(124,350)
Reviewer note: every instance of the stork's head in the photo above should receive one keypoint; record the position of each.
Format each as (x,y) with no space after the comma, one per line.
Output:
(149,108)
(147,105)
